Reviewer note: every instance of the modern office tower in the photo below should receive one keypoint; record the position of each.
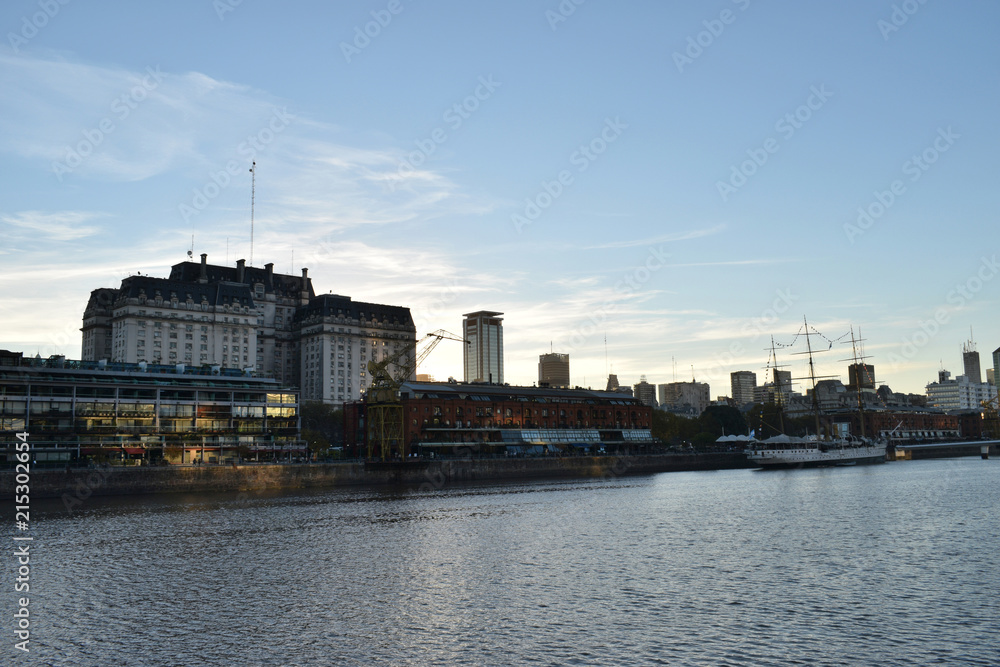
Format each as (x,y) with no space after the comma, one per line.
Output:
(484,353)
(743,384)
(553,370)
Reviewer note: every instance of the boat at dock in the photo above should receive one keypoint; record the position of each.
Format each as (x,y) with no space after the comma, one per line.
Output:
(784,451)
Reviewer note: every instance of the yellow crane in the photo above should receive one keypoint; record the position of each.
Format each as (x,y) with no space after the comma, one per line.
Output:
(383,408)
(991,416)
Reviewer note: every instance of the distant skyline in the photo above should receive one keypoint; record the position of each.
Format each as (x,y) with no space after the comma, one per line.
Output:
(680,181)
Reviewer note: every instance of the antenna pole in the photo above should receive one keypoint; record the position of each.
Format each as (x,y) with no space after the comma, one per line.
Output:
(253,193)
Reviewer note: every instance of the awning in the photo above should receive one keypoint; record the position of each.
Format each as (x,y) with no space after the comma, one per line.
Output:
(135,450)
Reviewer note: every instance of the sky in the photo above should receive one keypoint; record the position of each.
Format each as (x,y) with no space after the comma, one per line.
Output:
(654,188)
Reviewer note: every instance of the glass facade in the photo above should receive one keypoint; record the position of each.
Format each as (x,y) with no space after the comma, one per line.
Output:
(484,352)
(75,410)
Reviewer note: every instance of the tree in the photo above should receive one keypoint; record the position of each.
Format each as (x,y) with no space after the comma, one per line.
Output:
(722,420)
(324,419)
(317,443)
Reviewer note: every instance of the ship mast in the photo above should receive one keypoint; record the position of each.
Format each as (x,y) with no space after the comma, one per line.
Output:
(857,379)
(812,376)
(777,388)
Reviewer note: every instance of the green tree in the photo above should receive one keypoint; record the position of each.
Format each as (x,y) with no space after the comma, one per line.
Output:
(317,443)
(324,419)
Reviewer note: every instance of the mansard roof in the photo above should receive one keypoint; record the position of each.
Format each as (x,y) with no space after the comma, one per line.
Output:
(215,294)
(278,283)
(335,305)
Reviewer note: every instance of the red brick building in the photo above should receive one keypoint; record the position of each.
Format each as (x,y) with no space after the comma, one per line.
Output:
(905,425)
(513,421)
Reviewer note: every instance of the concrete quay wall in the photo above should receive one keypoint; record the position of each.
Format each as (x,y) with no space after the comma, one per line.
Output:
(82,483)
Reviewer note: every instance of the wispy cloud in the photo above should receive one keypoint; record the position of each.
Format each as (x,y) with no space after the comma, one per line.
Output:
(665,238)
(55,226)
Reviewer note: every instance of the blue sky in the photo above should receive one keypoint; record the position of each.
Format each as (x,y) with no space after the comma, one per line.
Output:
(681,179)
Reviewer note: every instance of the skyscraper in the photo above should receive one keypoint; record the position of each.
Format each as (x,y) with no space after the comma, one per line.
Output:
(553,370)
(742,384)
(970,359)
(484,353)
(860,375)
(645,392)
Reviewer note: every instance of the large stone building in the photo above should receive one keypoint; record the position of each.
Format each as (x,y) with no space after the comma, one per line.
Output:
(246,318)
(338,337)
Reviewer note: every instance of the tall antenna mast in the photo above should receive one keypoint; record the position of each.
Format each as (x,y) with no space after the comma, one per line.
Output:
(606,370)
(253,193)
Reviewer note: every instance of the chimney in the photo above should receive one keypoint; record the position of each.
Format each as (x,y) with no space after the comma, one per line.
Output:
(304,294)
(241,265)
(269,268)
(203,271)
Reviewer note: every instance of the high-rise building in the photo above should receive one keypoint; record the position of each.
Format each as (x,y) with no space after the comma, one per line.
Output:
(696,395)
(484,352)
(645,392)
(784,382)
(743,383)
(996,366)
(860,376)
(970,359)
(553,370)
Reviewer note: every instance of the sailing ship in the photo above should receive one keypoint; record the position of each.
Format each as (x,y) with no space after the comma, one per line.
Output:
(783,451)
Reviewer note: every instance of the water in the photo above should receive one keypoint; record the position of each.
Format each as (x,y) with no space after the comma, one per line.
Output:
(894,564)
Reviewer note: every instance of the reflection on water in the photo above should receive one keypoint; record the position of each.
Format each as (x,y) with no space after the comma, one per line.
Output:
(890,565)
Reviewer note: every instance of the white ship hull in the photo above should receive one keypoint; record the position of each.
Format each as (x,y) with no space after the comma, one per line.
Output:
(811,455)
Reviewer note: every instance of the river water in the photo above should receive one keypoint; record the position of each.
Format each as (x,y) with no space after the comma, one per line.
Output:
(894,564)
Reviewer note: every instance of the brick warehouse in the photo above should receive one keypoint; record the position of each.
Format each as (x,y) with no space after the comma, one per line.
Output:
(484,419)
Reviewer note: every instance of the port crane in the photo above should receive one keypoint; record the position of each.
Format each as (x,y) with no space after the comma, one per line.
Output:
(383,408)
(991,416)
